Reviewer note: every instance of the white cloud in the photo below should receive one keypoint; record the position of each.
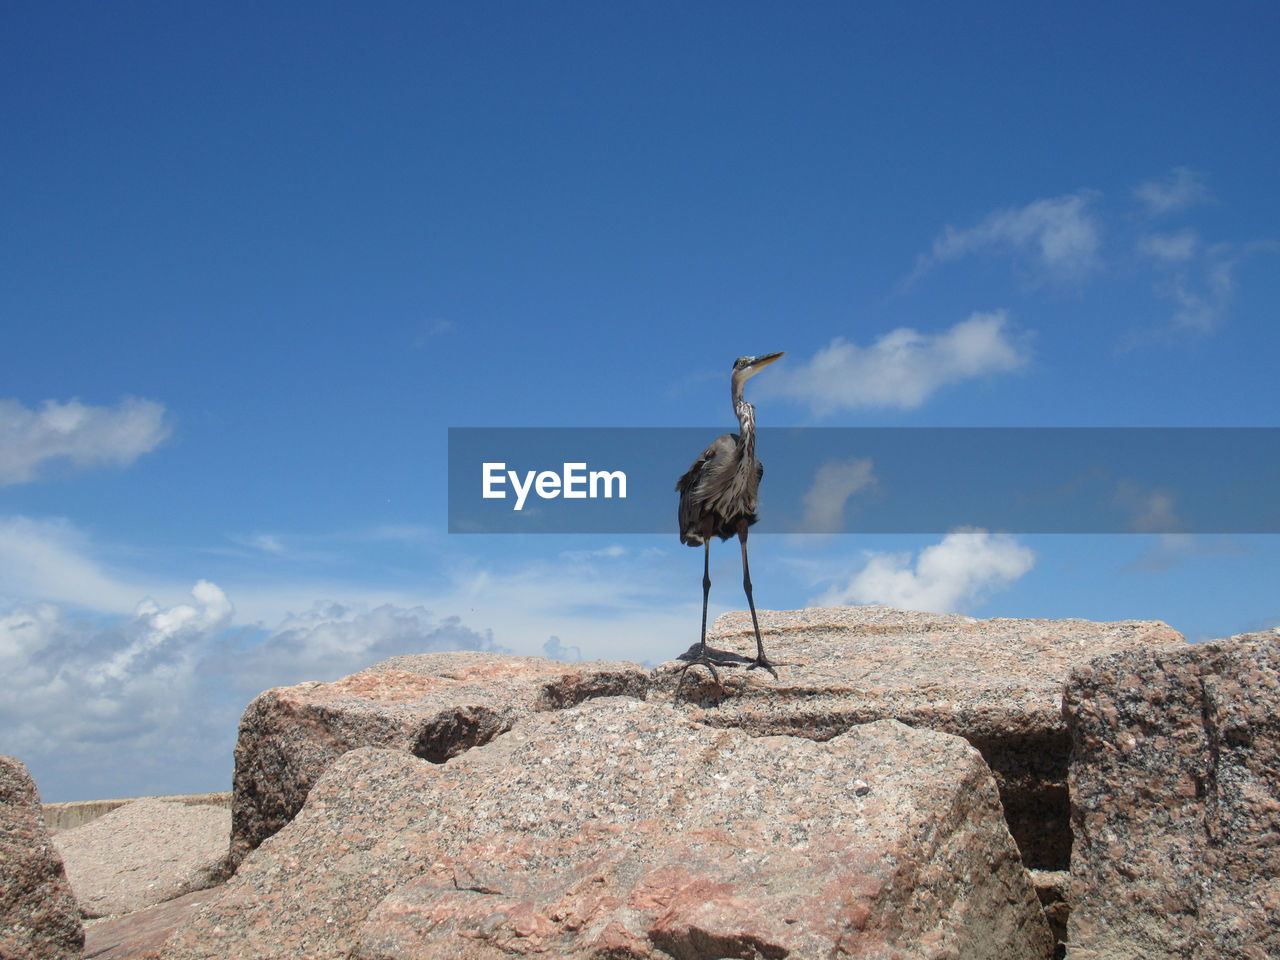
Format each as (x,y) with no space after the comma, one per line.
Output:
(1058,234)
(1182,188)
(902,369)
(949,577)
(834,483)
(148,702)
(82,434)
(112,708)
(1176,247)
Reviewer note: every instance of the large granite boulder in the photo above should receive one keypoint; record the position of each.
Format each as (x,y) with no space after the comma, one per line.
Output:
(620,828)
(997,683)
(433,706)
(1175,795)
(144,853)
(39,919)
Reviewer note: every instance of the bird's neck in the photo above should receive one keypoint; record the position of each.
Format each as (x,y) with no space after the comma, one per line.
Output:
(746,425)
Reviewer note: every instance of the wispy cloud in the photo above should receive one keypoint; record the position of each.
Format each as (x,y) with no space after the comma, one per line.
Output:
(429,330)
(1167,550)
(52,561)
(1151,510)
(1199,282)
(1058,235)
(952,576)
(1179,189)
(1176,247)
(902,369)
(834,483)
(76,432)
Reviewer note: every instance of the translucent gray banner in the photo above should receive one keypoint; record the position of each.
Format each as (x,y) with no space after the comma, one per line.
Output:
(877,480)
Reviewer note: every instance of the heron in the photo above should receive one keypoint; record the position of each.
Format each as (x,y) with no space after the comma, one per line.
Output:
(718,497)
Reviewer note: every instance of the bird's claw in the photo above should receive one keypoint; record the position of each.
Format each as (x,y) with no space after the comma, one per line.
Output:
(697,661)
(763,664)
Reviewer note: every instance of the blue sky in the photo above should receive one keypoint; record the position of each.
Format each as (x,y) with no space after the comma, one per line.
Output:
(257,261)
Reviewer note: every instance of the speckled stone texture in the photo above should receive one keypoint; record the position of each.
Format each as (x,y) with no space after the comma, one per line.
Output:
(144,853)
(432,705)
(1175,792)
(141,935)
(621,829)
(997,683)
(39,919)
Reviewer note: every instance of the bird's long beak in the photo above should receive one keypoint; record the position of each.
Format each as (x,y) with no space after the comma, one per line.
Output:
(764,360)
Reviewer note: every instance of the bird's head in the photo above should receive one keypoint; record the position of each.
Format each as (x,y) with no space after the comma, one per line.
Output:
(744,368)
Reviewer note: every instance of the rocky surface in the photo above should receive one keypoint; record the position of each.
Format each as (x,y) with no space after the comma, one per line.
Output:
(1175,787)
(141,935)
(433,706)
(621,829)
(144,853)
(997,683)
(39,919)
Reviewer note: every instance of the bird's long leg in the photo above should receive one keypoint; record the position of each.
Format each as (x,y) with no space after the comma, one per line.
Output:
(706,593)
(702,657)
(761,660)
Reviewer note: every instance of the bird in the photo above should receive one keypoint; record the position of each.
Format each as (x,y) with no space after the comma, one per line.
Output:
(718,498)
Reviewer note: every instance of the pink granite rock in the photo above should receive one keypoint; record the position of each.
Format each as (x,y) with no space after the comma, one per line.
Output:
(39,918)
(620,828)
(144,853)
(1175,793)
(997,683)
(433,706)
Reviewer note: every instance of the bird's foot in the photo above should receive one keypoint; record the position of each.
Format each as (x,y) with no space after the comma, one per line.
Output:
(763,663)
(701,661)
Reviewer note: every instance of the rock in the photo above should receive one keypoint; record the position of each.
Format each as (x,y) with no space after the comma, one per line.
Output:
(431,705)
(144,853)
(1175,794)
(997,683)
(1051,888)
(140,935)
(620,828)
(39,919)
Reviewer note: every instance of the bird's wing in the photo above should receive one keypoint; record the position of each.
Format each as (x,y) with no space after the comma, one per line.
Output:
(693,501)
(720,447)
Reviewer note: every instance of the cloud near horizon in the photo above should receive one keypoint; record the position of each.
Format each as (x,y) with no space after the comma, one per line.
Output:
(952,576)
(106,697)
(902,369)
(80,433)
(148,702)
